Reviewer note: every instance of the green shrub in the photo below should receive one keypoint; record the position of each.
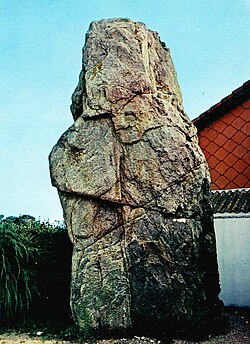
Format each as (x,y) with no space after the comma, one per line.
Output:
(35,269)
(18,248)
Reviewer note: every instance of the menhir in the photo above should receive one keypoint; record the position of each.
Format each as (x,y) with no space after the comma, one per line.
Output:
(133,184)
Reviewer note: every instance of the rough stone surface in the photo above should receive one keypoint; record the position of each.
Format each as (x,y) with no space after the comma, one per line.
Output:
(133,183)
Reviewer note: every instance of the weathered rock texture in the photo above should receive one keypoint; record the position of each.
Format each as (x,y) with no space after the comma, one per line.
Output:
(133,183)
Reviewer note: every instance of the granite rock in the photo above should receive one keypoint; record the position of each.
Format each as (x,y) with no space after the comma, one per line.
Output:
(134,187)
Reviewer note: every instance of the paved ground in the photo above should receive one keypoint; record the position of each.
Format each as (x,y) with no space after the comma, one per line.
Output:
(239,333)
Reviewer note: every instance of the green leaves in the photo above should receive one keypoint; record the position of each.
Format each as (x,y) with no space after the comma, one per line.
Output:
(20,249)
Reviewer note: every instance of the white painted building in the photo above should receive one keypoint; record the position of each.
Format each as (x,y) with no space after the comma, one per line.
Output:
(232,228)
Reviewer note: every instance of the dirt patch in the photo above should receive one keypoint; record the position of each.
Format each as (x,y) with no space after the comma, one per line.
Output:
(238,333)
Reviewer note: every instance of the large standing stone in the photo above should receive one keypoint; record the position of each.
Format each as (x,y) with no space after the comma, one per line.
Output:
(133,183)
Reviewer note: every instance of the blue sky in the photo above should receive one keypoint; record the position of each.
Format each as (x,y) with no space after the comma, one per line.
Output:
(40,60)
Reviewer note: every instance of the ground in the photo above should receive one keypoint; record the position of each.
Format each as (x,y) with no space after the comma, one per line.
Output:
(238,333)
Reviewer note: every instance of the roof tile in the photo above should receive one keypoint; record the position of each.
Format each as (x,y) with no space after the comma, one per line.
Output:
(231,185)
(240,165)
(231,174)
(238,123)
(229,118)
(212,133)
(222,168)
(219,126)
(239,137)
(240,151)
(212,148)
(237,111)
(229,132)
(237,201)
(214,175)
(213,162)
(230,159)
(222,182)
(204,142)
(220,140)
(246,143)
(230,145)
(246,128)
(246,172)
(241,180)
(221,153)
(245,114)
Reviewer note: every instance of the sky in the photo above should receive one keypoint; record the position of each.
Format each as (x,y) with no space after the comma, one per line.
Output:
(40,60)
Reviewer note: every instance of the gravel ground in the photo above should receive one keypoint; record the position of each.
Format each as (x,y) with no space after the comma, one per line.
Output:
(239,333)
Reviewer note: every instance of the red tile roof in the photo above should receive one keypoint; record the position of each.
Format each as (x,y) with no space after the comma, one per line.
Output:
(226,105)
(223,132)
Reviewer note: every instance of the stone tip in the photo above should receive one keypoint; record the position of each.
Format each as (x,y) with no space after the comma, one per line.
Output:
(112,21)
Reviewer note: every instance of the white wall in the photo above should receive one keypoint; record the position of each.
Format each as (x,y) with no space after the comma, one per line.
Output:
(233,249)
